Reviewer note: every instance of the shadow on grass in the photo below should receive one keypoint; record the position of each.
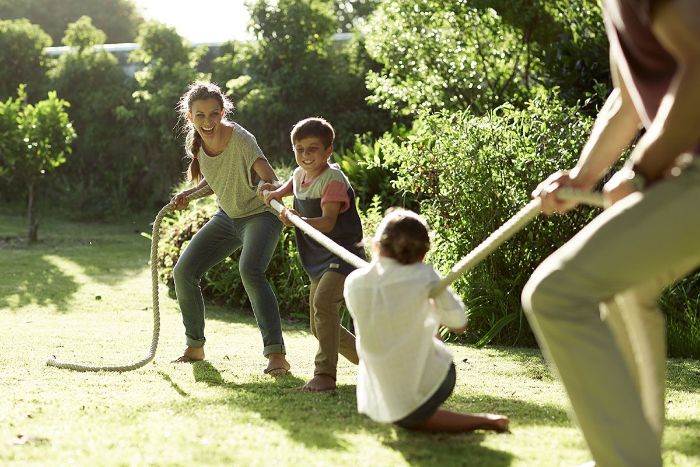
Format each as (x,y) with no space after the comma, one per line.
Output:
(173,384)
(530,362)
(33,279)
(321,420)
(687,441)
(105,254)
(431,449)
(683,375)
(522,412)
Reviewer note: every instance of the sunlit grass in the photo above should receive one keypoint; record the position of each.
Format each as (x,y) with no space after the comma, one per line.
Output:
(84,294)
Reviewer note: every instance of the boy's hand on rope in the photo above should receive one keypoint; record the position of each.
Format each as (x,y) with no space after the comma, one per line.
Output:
(180,201)
(270,196)
(284,216)
(264,190)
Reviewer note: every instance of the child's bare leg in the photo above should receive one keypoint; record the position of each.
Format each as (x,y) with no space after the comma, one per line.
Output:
(277,364)
(191,354)
(320,383)
(453,422)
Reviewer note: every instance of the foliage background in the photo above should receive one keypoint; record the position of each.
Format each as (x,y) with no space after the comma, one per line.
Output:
(455,109)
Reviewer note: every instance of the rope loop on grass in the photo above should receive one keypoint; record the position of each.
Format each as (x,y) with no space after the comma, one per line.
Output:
(155,237)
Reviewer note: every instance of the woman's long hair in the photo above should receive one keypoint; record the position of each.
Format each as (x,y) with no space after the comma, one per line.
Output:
(193,141)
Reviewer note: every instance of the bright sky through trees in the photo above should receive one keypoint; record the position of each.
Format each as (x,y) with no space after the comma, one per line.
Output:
(200,20)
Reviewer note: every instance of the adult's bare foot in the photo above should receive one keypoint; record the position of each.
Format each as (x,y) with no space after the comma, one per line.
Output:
(191,354)
(277,365)
(320,383)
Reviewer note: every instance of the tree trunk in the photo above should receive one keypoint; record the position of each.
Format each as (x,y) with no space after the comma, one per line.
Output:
(32,221)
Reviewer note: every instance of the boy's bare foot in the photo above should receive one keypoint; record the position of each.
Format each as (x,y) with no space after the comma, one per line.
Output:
(191,354)
(277,365)
(320,383)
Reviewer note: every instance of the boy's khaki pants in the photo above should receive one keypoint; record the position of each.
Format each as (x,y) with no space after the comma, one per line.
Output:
(593,307)
(325,298)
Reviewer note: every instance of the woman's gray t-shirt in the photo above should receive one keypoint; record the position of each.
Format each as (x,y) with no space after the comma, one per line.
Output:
(231,176)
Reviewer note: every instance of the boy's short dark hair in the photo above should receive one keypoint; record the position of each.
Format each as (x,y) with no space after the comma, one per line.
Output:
(314,127)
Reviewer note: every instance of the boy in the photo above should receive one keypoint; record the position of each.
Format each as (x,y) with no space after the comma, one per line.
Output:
(325,200)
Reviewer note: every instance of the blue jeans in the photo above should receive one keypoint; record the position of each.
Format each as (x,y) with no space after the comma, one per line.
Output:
(257,235)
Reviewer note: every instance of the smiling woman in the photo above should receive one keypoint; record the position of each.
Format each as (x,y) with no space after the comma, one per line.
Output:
(226,158)
(209,21)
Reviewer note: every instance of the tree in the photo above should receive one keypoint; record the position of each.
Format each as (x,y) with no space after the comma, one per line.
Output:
(82,34)
(117,18)
(169,66)
(352,13)
(294,70)
(22,56)
(482,53)
(37,140)
(96,179)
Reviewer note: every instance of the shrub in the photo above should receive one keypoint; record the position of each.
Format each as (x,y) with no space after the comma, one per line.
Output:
(469,174)
(681,303)
(370,174)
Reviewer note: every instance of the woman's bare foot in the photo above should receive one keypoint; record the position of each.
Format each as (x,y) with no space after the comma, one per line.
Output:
(277,365)
(191,354)
(320,383)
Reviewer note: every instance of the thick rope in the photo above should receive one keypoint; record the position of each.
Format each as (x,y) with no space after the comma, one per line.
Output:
(506,231)
(155,236)
(326,242)
(492,242)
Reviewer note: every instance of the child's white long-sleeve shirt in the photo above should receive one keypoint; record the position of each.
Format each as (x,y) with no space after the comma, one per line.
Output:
(402,363)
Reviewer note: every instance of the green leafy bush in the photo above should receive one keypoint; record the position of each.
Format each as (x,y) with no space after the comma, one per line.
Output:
(370,174)
(470,174)
(681,303)
(478,54)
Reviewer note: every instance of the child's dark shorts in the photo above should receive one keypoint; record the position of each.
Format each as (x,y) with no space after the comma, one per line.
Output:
(418,417)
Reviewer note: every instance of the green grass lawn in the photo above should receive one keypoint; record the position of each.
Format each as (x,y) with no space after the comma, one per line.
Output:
(83,294)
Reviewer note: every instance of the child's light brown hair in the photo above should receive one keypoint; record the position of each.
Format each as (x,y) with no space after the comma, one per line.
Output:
(403,235)
(314,127)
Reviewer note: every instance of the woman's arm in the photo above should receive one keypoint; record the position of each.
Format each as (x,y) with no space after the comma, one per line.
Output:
(269,191)
(264,170)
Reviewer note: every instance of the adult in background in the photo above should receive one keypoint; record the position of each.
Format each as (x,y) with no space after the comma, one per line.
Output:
(593,303)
